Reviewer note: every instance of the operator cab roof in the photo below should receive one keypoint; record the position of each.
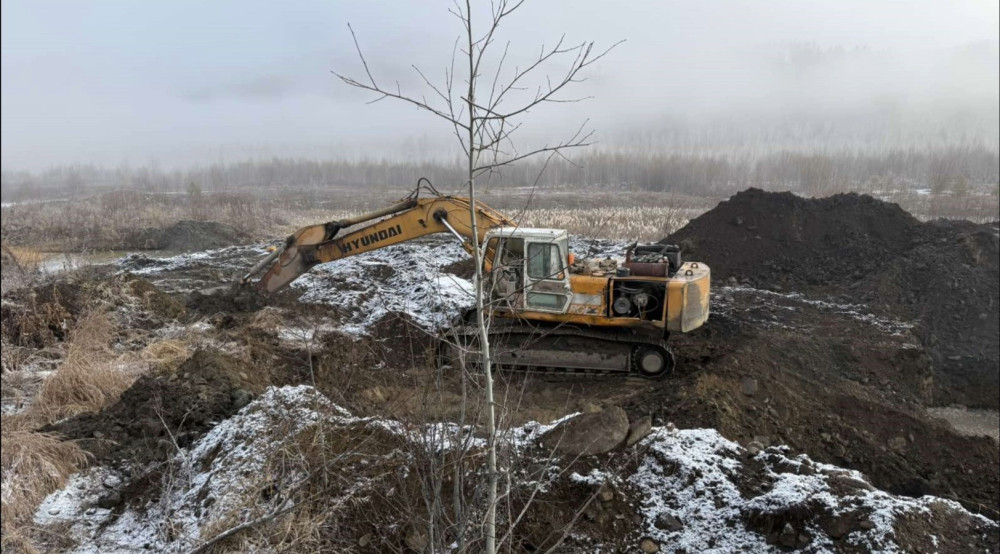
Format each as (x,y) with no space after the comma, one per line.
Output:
(529,233)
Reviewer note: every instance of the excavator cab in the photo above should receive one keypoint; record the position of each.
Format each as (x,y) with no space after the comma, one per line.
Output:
(527,269)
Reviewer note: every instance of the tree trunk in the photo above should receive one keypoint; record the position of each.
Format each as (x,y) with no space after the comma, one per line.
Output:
(484,339)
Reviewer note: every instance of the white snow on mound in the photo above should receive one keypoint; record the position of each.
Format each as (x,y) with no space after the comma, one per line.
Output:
(230,257)
(208,483)
(689,486)
(690,478)
(405,278)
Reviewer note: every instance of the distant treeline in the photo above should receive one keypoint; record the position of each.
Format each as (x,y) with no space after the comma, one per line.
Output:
(958,169)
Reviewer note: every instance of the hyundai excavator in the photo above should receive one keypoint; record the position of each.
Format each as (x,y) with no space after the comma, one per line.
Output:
(549,310)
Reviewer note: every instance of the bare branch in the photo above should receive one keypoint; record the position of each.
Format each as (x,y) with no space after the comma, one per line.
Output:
(373,86)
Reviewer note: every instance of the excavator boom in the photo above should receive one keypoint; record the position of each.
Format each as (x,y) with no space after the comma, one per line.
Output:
(402,222)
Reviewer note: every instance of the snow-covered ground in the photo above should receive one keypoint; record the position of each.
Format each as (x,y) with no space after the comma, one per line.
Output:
(689,486)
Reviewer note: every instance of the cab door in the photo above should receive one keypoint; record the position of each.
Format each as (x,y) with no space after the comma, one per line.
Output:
(503,264)
(547,287)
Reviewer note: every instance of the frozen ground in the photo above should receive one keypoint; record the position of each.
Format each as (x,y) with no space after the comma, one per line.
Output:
(694,490)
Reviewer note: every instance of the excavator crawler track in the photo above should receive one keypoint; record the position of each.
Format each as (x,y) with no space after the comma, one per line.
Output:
(562,350)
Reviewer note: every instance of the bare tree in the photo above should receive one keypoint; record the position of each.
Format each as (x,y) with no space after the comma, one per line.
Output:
(484,115)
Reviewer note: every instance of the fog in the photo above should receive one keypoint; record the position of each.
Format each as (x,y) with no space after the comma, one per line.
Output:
(182,83)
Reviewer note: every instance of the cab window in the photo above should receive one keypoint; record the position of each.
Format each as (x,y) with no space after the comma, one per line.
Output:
(544,261)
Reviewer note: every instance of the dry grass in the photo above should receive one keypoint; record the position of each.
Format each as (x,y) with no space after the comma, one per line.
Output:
(165,355)
(118,220)
(26,258)
(90,377)
(639,223)
(34,465)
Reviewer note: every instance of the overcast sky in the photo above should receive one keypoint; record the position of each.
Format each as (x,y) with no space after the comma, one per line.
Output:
(185,82)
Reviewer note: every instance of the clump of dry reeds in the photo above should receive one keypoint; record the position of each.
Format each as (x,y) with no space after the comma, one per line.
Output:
(34,464)
(165,355)
(90,377)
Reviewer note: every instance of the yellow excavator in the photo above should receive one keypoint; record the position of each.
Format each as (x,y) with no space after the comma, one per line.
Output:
(548,310)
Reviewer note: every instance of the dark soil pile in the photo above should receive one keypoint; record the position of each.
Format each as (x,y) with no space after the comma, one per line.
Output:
(191,236)
(226,299)
(770,239)
(818,382)
(159,413)
(944,275)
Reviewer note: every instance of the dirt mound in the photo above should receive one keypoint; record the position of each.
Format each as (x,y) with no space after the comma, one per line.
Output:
(41,316)
(943,274)
(225,299)
(950,284)
(191,236)
(780,369)
(769,238)
(160,413)
(674,491)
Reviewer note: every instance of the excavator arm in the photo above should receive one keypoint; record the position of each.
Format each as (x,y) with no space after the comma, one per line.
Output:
(407,220)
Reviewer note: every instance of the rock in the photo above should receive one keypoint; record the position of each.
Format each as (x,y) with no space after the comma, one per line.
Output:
(754,448)
(588,434)
(867,525)
(788,537)
(748,386)
(638,429)
(240,398)
(111,482)
(844,480)
(244,376)
(668,522)
(649,546)
(836,527)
